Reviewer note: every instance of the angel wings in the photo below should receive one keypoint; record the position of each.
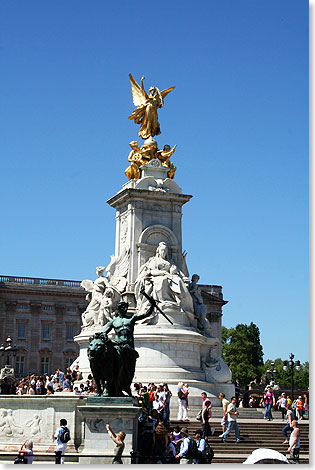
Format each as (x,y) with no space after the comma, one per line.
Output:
(146,107)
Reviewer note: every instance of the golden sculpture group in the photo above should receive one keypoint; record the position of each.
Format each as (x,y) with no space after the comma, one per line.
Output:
(146,115)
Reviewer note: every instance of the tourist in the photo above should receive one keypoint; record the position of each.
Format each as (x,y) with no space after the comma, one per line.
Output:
(205,416)
(204,397)
(300,407)
(145,398)
(160,442)
(289,418)
(294,443)
(282,405)
(246,397)
(61,445)
(67,383)
(119,441)
(27,452)
(269,401)
(146,430)
(76,374)
(224,420)
(159,401)
(184,455)
(59,375)
(232,421)
(186,392)
(201,446)
(182,403)
(176,437)
(170,452)
(166,411)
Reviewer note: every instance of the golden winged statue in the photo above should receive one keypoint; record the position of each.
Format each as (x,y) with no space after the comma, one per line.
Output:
(147,106)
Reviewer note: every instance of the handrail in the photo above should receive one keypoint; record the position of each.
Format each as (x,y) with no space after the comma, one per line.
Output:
(40,281)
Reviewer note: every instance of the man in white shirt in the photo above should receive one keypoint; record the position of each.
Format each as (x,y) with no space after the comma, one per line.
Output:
(60,446)
(294,443)
(232,421)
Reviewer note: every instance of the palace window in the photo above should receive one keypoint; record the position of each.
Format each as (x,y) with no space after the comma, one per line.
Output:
(44,365)
(71,309)
(47,308)
(21,327)
(45,331)
(22,307)
(19,365)
(68,362)
(69,331)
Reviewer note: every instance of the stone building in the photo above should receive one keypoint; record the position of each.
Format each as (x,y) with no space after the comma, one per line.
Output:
(42,316)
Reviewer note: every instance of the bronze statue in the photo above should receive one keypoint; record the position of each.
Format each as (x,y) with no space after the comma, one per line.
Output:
(113,362)
(147,106)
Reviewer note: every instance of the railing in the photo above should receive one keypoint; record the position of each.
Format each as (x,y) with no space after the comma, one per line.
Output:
(36,280)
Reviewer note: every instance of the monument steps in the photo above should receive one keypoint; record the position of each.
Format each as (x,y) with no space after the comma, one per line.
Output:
(254,433)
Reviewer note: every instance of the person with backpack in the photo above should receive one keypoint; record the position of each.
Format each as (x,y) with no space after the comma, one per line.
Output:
(182,402)
(188,449)
(62,435)
(201,447)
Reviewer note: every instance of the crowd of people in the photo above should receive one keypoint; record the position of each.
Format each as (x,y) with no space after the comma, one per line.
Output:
(158,441)
(48,384)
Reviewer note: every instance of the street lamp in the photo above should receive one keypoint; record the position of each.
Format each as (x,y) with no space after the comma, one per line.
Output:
(272,373)
(292,364)
(8,351)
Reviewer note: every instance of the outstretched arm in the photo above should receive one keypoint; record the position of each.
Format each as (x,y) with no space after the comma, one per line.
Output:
(141,316)
(113,436)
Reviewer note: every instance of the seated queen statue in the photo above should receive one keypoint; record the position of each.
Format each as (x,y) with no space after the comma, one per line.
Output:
(163,280)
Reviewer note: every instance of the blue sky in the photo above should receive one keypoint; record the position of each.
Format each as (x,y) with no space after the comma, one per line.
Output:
(239,117)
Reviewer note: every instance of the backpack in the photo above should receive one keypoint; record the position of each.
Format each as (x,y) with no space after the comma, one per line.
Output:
(192,452)
(209,453)
(199,415)
(20,459)
(181,394)
(65,435)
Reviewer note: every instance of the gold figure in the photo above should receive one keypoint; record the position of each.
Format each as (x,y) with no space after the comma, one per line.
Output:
(147,106)
(164,157)
(133,171)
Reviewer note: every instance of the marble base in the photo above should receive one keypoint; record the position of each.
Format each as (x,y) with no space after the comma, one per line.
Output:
(120,414)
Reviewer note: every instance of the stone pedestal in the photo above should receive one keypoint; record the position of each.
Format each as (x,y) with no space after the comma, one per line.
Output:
(121,415)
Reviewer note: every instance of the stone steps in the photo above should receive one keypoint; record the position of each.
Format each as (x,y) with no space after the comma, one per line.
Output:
(254,434)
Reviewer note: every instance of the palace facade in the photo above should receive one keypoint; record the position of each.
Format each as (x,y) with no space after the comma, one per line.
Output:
(42,316)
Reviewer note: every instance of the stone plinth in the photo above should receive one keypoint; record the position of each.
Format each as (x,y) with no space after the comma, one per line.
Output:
(120,414)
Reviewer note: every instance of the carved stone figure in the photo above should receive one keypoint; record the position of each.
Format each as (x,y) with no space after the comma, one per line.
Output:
(113,362)
(165,282)
(199,307)
(95,295)
(7,424)
(147,106)
(34,424)
(105,293)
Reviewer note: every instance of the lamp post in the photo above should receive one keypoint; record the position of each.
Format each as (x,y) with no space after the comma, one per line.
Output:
(272,373)
(8,352)
(291,364)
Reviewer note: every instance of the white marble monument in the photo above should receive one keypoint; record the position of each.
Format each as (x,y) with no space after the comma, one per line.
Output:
(148,251)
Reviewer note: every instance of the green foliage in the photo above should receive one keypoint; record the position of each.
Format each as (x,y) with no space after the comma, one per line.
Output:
(300,379)
(242,352)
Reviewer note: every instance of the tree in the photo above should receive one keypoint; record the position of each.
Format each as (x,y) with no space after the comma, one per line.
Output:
(242,352)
